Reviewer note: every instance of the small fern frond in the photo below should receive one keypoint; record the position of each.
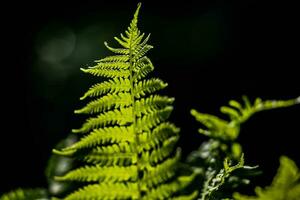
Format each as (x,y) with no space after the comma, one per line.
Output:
(25,194)
(149,105)
(98,173)
(104,136)
(118,100)
(114,117)
(108,73)
(111,65)
(285,185)
(117,50)
(162,132)
(161,172)
(142,88)
(113,59)
(151,120)
(142,68)
(170,189)
(238,113)
(119,159)
(158,155)
(214,180)
(113,86)
(118,191)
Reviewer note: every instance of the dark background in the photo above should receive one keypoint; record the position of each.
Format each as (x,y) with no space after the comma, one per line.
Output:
(208,52)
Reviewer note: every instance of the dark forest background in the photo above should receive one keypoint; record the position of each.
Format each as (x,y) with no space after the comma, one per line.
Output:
(209,52)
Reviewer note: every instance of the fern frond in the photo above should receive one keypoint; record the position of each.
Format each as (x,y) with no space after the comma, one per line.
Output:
(152,103)
(123,147)
(115,85)
(169,189)
(115,117)
(145,87)
(238,113)
(140,51)
(101,174)
(128,147)
(161,172)
(285,185)
(120,159)
(115,58)
(108,73)
(222,144)
(106,191)
(111,66)
(104,136)
(115,154)
(117,50)
(151,120)
(214,180)
(142,68)
(157,155)
(138,40)
(25,194)
(117,100)
(163,131)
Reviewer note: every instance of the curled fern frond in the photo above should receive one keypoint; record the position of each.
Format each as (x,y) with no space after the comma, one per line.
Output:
(127,149)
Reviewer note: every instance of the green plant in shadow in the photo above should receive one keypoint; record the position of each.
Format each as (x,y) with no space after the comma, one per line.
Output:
(285,185)
(214,179)
(126,149)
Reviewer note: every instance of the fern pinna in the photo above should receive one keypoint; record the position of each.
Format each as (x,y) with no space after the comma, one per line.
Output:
(127,145)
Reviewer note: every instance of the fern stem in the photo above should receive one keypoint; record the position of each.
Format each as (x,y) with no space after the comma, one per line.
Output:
(131,66)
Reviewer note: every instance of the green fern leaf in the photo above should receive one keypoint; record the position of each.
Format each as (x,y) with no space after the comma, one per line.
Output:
(104,136)
(117,50)
(101,174)
(118,100)
(127,150)
(160,173)
(105,191)
(116,58)
(143,68)
(207,160)
(107,73)
(25,194)
(142,88)
(238,114)
(149,105)
(169,189)
(114,117)
(285,185)
(114,86)
(149,121)
(162,132)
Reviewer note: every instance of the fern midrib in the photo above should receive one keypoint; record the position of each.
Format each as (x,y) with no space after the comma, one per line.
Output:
(131,65)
